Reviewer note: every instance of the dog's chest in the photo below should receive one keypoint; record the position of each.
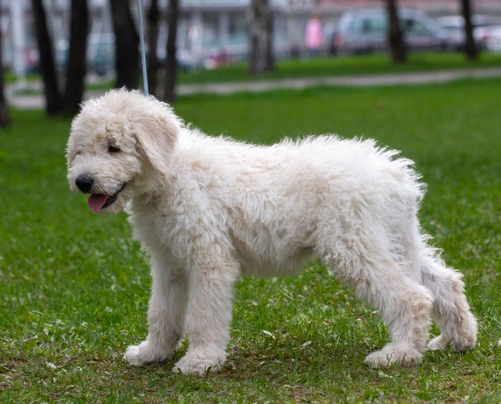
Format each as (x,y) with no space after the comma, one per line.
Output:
(154,229)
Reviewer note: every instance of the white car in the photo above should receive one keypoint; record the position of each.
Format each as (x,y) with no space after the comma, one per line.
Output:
(493,39)
(366,31)
(452,27)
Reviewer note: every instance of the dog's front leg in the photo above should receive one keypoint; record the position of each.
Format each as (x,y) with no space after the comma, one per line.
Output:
(166,314)
(208,314)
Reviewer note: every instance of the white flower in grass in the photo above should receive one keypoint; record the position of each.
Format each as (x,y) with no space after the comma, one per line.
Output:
(269,334)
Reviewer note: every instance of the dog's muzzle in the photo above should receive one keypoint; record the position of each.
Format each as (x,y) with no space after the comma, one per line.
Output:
(96,201)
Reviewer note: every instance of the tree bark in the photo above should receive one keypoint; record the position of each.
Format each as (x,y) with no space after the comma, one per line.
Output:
(171,61)
(153,29)
(77,58)
(395,35)
(261,38)
(470,46)
(126,44)
(4,110)
(47,61)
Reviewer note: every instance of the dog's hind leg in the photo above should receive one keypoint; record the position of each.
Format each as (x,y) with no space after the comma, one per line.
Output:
(403,303)
(450,308)
(166,315)
(405,307)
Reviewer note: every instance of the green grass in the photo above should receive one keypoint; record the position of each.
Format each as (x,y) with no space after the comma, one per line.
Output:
(11,77)
(317,67)
(341,66)
(74,287)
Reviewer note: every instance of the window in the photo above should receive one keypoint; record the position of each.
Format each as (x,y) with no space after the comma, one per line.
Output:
(414,27)
(368,26)
(210,31)
(237,28)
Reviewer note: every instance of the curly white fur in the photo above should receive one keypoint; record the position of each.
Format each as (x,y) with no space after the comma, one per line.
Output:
(208,209)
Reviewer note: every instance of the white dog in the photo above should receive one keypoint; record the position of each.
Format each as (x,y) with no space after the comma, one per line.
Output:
(208,210)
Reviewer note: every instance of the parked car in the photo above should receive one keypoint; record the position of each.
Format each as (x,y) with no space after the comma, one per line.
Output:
(100,54)
(366,31)
(493,41)
(452,26)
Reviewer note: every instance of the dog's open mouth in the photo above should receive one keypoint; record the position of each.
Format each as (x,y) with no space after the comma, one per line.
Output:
(101,201)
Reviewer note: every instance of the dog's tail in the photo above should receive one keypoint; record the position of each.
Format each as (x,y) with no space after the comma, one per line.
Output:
(451,310)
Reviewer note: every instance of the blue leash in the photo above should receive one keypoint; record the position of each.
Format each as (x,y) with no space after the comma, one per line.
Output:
(142,46)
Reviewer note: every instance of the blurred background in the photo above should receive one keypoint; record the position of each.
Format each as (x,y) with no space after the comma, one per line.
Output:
(66,44)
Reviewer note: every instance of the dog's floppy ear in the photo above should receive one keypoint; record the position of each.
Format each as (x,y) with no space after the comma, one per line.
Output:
(76,132)
(156,133)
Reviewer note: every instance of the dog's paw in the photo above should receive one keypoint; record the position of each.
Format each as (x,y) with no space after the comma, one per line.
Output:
(398,356)
(198,363)
(144,353)
(464,343)
(438,343)
(461,343)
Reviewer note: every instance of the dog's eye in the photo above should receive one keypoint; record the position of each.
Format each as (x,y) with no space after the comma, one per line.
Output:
(113,149)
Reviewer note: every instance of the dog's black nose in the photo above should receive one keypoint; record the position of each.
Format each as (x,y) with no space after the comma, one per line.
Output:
(84,183)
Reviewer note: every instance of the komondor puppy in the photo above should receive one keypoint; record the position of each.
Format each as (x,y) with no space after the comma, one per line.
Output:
(209,209)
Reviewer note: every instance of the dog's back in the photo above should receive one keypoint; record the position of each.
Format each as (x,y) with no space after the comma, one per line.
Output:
(274,203)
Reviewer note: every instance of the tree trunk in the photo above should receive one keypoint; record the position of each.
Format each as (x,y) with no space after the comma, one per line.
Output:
(470,46)
(153,29)
(126,43)
(261,38)
(171,61)
(4,110)
(77,58)
(47,61)
(395,35)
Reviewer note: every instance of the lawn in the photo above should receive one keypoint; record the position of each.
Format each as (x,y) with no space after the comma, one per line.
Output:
(342,66)
(317,67)
(74,287)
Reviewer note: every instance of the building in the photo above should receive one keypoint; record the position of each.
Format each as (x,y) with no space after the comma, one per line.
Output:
(208,29)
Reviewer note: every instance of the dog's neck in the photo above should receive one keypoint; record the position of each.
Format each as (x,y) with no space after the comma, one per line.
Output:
(151,192)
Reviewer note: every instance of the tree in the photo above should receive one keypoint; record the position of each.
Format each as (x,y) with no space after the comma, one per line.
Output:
(470,46)
(4,111)
(126,43)
(395,36)
(171,61)
(77,58)
(153,29)
(47,61)
(261,37)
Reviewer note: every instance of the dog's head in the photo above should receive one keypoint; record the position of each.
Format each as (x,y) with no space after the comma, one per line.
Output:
(120,146)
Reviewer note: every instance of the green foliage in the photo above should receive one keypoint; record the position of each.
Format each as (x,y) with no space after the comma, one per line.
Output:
(74,286)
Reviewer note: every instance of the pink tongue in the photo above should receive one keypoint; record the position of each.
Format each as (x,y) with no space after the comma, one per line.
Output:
(96,201)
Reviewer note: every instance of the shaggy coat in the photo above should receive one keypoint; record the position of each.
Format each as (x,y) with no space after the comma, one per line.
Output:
(209,209)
